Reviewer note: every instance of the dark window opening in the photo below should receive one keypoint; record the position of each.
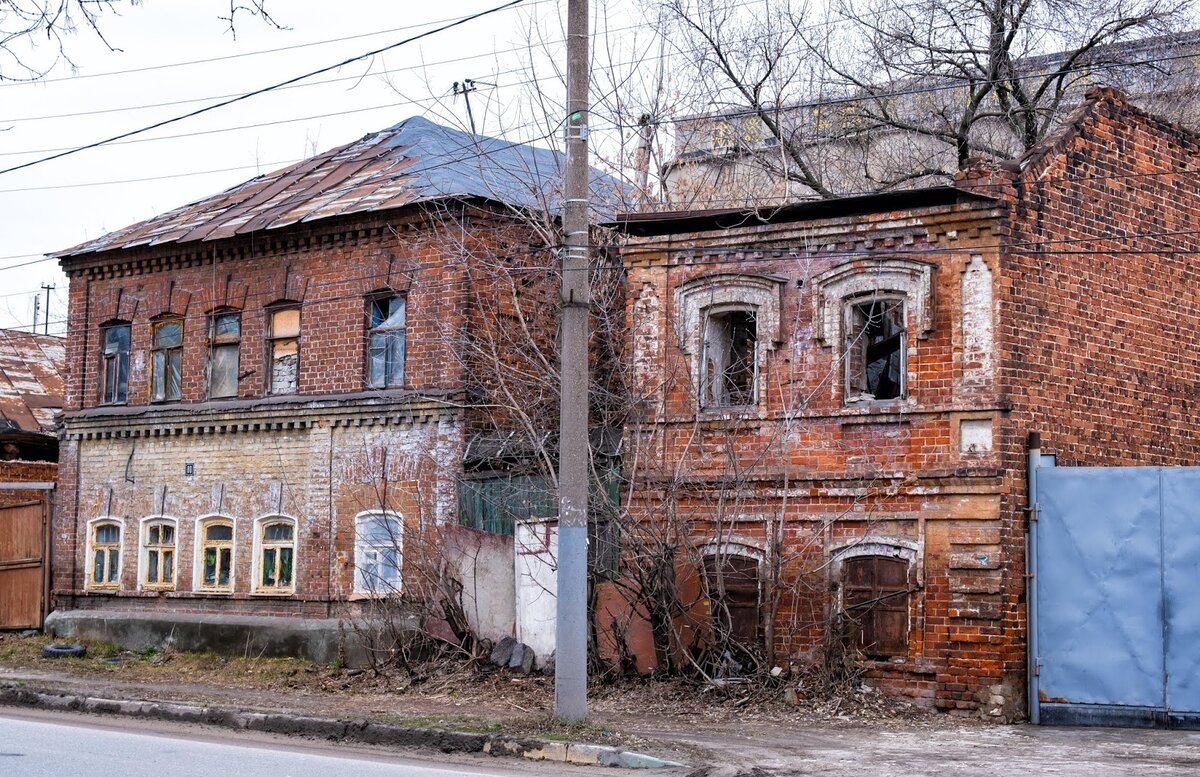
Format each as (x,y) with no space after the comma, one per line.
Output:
(166,356)
(224,346)
(730,348)
(116,364)
(385,359)
(875,350)
(875,599)
(733,595)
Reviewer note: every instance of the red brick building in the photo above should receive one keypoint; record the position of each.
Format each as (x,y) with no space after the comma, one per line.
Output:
(835,397)
(264,410)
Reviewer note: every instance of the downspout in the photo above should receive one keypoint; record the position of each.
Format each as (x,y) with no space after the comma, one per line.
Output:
(1034,448)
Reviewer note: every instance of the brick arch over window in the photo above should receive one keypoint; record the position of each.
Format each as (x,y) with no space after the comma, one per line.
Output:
(732,581)
(876,586)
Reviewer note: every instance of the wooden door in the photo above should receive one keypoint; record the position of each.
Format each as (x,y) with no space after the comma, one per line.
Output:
(22,565)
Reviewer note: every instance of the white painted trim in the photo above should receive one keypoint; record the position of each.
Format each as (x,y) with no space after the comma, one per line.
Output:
(198,558)
(143,552)
(88,585)
(256,559)
(363,590)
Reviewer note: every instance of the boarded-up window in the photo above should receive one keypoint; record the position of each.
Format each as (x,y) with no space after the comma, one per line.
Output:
(733,594)
(875,350)
(166,358)
(283,351)
(385,357)
(115,367)
(224,348)
(875,598)
(730,359)
(216,555)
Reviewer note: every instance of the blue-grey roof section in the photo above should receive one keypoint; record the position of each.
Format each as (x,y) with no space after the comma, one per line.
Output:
(412,162)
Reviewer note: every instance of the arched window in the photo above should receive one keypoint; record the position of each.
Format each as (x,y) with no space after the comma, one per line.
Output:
(214,553)
(875,597)
(378,544)
(104,554)
(275,555)
(158,554)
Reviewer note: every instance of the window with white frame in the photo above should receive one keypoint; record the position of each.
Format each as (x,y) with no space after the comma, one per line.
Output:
(158,554)
(275,556)
(215,555)
(104,554)
(378,545)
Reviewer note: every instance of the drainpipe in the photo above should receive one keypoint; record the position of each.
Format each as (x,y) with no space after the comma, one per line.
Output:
(1034,447)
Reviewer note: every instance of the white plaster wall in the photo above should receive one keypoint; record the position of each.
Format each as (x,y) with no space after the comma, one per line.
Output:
(483,563)
(535,552)
(977,328)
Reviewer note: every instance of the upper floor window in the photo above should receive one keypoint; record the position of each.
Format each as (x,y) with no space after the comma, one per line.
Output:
(215,546)
(874,355)
(729,366)
(224,347)
(385,363)
(875,597)
(283,350)
(276,556)
(158,554)
(115,367)
(378,543)
(104,562)
(166,358)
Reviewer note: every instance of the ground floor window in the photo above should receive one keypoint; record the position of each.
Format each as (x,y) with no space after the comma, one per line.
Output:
(378,541)
(276,555)
(216,555)
(105,554)
(732,584)
(158,554)
(875,598)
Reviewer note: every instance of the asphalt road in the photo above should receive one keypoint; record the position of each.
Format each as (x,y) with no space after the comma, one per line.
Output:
(48,745)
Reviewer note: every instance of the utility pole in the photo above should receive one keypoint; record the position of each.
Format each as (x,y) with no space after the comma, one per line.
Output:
(37,311)
(464,88)
(570,662)
(49,287)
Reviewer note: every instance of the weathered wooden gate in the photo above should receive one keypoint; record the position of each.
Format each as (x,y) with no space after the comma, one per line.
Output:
(24,567)
(1115,619)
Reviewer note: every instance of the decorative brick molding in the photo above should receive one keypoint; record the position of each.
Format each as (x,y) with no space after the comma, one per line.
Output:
(863,275)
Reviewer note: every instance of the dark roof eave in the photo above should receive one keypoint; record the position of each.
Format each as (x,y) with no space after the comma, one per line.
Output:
(673,222)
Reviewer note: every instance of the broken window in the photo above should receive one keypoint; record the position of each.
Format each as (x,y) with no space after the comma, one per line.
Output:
(106,554)
(875,350)
(158,554)
(277,553)
(166,355)
(385,357)
(224,347)
(216,555)
(730,359)
(377,553)
(283,351)
(875,601)
(115,368)
(731,581)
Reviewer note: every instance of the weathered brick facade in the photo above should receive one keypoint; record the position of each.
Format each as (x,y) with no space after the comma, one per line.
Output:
(1053,295)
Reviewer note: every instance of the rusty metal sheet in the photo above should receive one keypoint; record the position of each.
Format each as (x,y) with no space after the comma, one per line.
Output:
(411,162)
(31,380)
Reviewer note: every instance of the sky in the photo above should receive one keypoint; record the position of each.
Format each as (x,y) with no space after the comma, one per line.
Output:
(170,58)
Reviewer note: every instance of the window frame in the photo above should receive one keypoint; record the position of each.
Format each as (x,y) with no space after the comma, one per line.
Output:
(389,334)
(172,356)
(716,606)
(262,545)
(145,549)
(708,396)
(118,360)
(93,545)
(362,546)
(850,306)
(203,523)
(901,591)
(273,341)
(215,343)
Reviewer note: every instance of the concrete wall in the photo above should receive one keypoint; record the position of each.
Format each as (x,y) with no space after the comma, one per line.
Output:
(484,564)
(536,545)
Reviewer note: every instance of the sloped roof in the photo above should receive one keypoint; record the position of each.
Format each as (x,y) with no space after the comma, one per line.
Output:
(31,381)
(412,162)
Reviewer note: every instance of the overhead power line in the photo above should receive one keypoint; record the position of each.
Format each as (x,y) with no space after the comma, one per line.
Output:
(264,90)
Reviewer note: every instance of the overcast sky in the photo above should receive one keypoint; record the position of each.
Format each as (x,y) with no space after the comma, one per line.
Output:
(181,53)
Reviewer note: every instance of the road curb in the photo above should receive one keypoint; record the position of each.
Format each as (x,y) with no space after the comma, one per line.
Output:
(363,731)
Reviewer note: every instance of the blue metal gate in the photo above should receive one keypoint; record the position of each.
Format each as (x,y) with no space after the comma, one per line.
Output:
(1115,595)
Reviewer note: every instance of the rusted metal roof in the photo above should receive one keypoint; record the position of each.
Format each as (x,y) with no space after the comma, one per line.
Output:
(414,161)
(31,381)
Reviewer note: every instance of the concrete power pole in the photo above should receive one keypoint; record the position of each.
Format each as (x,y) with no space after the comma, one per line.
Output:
(570,667)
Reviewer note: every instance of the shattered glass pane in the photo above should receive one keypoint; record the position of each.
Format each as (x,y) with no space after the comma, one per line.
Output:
(168,534)
(388,313)
(875,350)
